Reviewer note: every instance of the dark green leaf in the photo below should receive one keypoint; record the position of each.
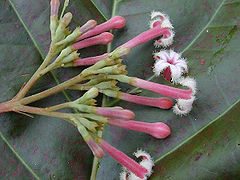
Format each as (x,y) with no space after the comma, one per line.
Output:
(206,31)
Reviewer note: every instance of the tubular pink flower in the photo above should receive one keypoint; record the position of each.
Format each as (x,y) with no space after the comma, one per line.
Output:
(147,36)
(171,64)
(123,159)
(95,148)
(87,26)
(54,7)
(103,38)
(89,60)
(163,102)
(115,112)
(115,22)
(158,130)
(163,89)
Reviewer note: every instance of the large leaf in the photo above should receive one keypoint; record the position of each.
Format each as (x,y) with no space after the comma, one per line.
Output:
(208,36)
(213,153)
(206,31)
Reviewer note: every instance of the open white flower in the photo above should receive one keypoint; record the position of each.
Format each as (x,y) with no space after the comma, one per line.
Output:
(184,106)
(170,64)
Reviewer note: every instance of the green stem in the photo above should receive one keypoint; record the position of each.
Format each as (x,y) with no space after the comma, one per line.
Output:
(36,75)
(43,111)
(63,86)
(95,165)
(57,107)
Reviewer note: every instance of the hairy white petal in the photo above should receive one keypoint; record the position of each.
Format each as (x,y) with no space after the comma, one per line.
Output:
(155,14)
(140,153)
(151,23)
(176,72)
(159,66)
(163,55)
(148,164)
(189,82)
(166,23)
(161,17)
(183,106)
(123,175)
(165,42)
(182,64)
(174,56)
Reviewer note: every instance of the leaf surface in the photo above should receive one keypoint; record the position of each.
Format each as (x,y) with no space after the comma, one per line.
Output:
(207,33)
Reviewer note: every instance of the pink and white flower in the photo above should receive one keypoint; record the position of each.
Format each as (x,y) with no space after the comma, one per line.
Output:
(171,64)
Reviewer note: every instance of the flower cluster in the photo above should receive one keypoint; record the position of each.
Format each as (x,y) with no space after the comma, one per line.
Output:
(171,65)
(102,76)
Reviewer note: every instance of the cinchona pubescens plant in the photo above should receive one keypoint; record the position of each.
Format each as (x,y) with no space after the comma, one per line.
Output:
(102,77)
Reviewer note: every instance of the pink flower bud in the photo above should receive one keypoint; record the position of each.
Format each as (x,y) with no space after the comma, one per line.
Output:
(113,112)
(115,22)
(54,7)
(95,148)
(158,130)
(87,26)
(123,159)
(89,60)
(103,38)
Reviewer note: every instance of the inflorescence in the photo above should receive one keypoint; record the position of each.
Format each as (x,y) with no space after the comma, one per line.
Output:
(102,76)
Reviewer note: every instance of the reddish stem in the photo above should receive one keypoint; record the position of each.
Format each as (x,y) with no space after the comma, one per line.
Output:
(6,107)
